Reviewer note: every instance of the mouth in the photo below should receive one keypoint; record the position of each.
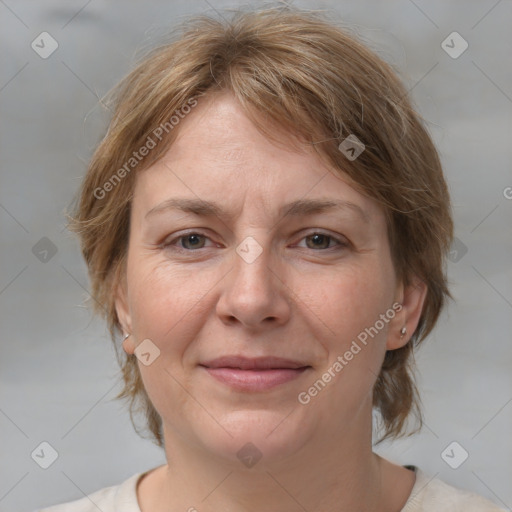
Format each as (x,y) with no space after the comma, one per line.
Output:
(254,374)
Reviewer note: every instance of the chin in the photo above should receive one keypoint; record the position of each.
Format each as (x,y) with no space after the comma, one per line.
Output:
(266,434)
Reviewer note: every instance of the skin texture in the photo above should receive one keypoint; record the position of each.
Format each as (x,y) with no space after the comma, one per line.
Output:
(302,298)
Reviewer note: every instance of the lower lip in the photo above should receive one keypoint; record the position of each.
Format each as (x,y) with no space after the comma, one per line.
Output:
(255,380)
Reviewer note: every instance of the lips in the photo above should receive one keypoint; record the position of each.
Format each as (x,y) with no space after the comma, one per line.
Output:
(254,374)
(258,363)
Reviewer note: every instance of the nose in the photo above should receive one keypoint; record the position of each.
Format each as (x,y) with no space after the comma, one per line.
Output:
(254,293)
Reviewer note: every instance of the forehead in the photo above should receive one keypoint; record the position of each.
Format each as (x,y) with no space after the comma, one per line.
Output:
(219,129)
(220,156)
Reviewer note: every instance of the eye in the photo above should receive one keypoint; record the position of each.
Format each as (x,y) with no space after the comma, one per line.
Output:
(194,240)
(187,242)
(319,240)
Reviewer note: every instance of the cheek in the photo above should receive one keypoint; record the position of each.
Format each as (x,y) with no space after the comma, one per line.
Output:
(166,308)
(348,305)
(350,300)
(168,304)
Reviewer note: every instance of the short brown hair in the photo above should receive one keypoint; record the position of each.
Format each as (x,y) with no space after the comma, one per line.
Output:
(317,81)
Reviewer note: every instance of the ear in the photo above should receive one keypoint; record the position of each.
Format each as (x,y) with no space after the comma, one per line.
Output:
(412,298)
(124,316)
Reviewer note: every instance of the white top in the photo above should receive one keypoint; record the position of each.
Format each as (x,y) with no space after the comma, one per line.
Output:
(427,495)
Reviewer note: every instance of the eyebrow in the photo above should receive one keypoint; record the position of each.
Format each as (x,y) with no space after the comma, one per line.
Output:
(300,207)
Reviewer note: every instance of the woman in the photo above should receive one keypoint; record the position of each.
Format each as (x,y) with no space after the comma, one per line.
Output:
(265,224)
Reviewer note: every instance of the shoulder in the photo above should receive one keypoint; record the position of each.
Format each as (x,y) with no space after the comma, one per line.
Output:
(108,499)
(430,494)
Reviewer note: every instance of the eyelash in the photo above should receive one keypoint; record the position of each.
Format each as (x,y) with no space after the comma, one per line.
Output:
(171,244)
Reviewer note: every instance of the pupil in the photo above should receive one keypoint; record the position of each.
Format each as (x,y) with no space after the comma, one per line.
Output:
(318,239)
(193,239)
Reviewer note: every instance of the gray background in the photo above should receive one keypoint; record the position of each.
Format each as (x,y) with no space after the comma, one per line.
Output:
(58,370)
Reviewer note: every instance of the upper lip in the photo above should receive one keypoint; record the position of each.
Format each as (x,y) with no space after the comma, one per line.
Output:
(255,363)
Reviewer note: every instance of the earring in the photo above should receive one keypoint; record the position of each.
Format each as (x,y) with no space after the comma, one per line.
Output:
(126,336)
(403,331)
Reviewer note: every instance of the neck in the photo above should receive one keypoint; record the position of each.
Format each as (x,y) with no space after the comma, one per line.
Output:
(341,474)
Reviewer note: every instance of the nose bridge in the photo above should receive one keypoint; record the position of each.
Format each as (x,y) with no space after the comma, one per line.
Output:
(254,239)
(252,292)
(251,261)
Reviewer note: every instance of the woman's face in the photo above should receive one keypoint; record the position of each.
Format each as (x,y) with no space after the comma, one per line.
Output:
(245,278)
